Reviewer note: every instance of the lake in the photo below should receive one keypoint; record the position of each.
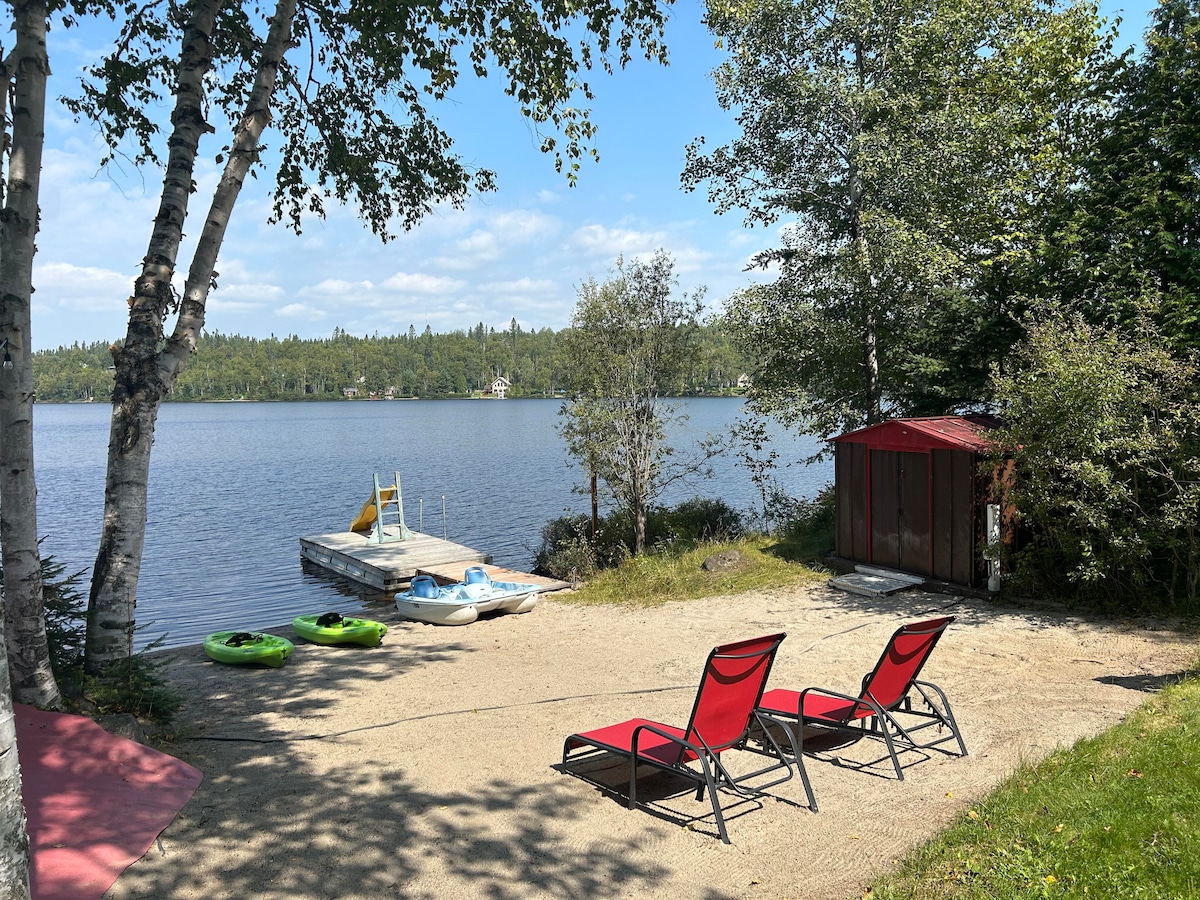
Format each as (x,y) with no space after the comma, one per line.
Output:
(234,485)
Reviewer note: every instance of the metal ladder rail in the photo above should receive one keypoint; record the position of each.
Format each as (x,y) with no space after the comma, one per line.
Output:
(393,505)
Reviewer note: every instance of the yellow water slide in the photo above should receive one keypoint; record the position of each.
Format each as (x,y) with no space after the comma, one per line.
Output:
(367,515)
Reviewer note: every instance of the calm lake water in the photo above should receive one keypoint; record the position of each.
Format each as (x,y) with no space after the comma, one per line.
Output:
(234,485)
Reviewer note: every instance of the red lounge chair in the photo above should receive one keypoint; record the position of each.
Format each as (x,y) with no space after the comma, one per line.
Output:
(884,702)
(722,718)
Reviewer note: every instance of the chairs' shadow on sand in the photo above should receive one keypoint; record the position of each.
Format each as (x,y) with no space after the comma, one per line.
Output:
(854,749)
(666,795)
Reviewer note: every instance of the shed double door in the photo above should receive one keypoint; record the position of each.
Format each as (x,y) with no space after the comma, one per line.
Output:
(900,510)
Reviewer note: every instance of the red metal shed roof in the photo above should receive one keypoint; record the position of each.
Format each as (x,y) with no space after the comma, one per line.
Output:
(935,432)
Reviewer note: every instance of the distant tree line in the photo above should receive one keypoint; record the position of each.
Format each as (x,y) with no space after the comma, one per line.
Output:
(415,364)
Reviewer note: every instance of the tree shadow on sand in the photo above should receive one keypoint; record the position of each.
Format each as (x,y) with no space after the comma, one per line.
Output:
(969,612)
(1149,684)
(275,818)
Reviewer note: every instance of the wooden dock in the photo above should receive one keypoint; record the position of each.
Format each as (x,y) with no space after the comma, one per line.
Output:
(390,565)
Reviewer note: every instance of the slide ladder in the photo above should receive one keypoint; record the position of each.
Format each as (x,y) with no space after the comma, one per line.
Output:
(383,514)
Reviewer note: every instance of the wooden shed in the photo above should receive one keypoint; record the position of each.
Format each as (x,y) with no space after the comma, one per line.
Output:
(909,496)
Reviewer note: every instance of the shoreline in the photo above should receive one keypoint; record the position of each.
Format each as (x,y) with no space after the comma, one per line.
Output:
(452,397)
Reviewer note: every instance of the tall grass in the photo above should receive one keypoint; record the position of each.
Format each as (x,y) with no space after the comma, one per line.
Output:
(1116,816)
(658,577)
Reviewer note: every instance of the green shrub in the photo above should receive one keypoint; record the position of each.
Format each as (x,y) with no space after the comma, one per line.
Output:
(698,520)
(807,527)
(65,611)
(1103,431)
(568,551)
(134,685)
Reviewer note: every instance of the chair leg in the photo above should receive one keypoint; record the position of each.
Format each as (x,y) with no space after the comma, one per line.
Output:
(796,739)
(891,748)
(712,795)
(954,727)
(633,782)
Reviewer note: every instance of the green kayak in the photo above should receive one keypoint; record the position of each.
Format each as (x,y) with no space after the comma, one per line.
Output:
(332,628)
(238,647)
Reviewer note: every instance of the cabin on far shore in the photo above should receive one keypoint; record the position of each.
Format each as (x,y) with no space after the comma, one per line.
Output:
(498,386)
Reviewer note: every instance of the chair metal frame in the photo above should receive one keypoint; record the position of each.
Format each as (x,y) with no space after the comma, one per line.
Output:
(873,713)
(690,744)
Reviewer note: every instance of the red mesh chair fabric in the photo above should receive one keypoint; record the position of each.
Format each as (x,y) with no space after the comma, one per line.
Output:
(651,745)
(723,714)
(782,702)
(885,698)
(733,682)
(902,661)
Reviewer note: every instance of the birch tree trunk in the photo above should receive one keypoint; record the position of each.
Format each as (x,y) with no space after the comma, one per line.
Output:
(31,678)
(871,367)
(867,297)
(18,493)
(138,388)
(147,365)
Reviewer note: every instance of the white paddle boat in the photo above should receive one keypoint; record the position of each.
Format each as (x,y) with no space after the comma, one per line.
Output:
(461,603)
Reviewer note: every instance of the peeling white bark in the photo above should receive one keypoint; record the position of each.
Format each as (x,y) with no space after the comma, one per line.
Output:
(32,680)
(147,365)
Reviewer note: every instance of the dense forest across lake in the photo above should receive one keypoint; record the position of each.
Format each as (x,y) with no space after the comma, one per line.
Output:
(424,365)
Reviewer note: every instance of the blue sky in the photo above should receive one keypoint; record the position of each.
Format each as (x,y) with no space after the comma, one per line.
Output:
(516,253)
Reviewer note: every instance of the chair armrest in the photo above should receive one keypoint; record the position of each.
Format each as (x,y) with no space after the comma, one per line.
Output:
(633,743)
(795,737)
(870,704)
(921,685)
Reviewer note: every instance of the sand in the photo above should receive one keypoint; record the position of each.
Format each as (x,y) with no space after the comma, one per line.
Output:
(429,767)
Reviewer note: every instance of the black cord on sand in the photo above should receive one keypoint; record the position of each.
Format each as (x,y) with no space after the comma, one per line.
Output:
(934,609)
(437,715)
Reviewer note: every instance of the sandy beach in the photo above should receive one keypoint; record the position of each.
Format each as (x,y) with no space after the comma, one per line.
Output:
(429,767)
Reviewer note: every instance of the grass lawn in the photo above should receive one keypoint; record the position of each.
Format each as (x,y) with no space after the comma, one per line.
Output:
(655,578)
(1116,816)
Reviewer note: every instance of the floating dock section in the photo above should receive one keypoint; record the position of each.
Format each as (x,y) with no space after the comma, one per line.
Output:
(388,565)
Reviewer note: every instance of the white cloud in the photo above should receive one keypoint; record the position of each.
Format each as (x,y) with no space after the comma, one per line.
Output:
(523,225)
(419,283)
(243,297)
(598,240)
(300,310)
(337,288)
(480,246)
(81,288)
(248,291)
(521,286)
(689,260)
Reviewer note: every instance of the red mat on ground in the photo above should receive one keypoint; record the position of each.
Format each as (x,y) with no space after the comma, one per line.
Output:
(95,802)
